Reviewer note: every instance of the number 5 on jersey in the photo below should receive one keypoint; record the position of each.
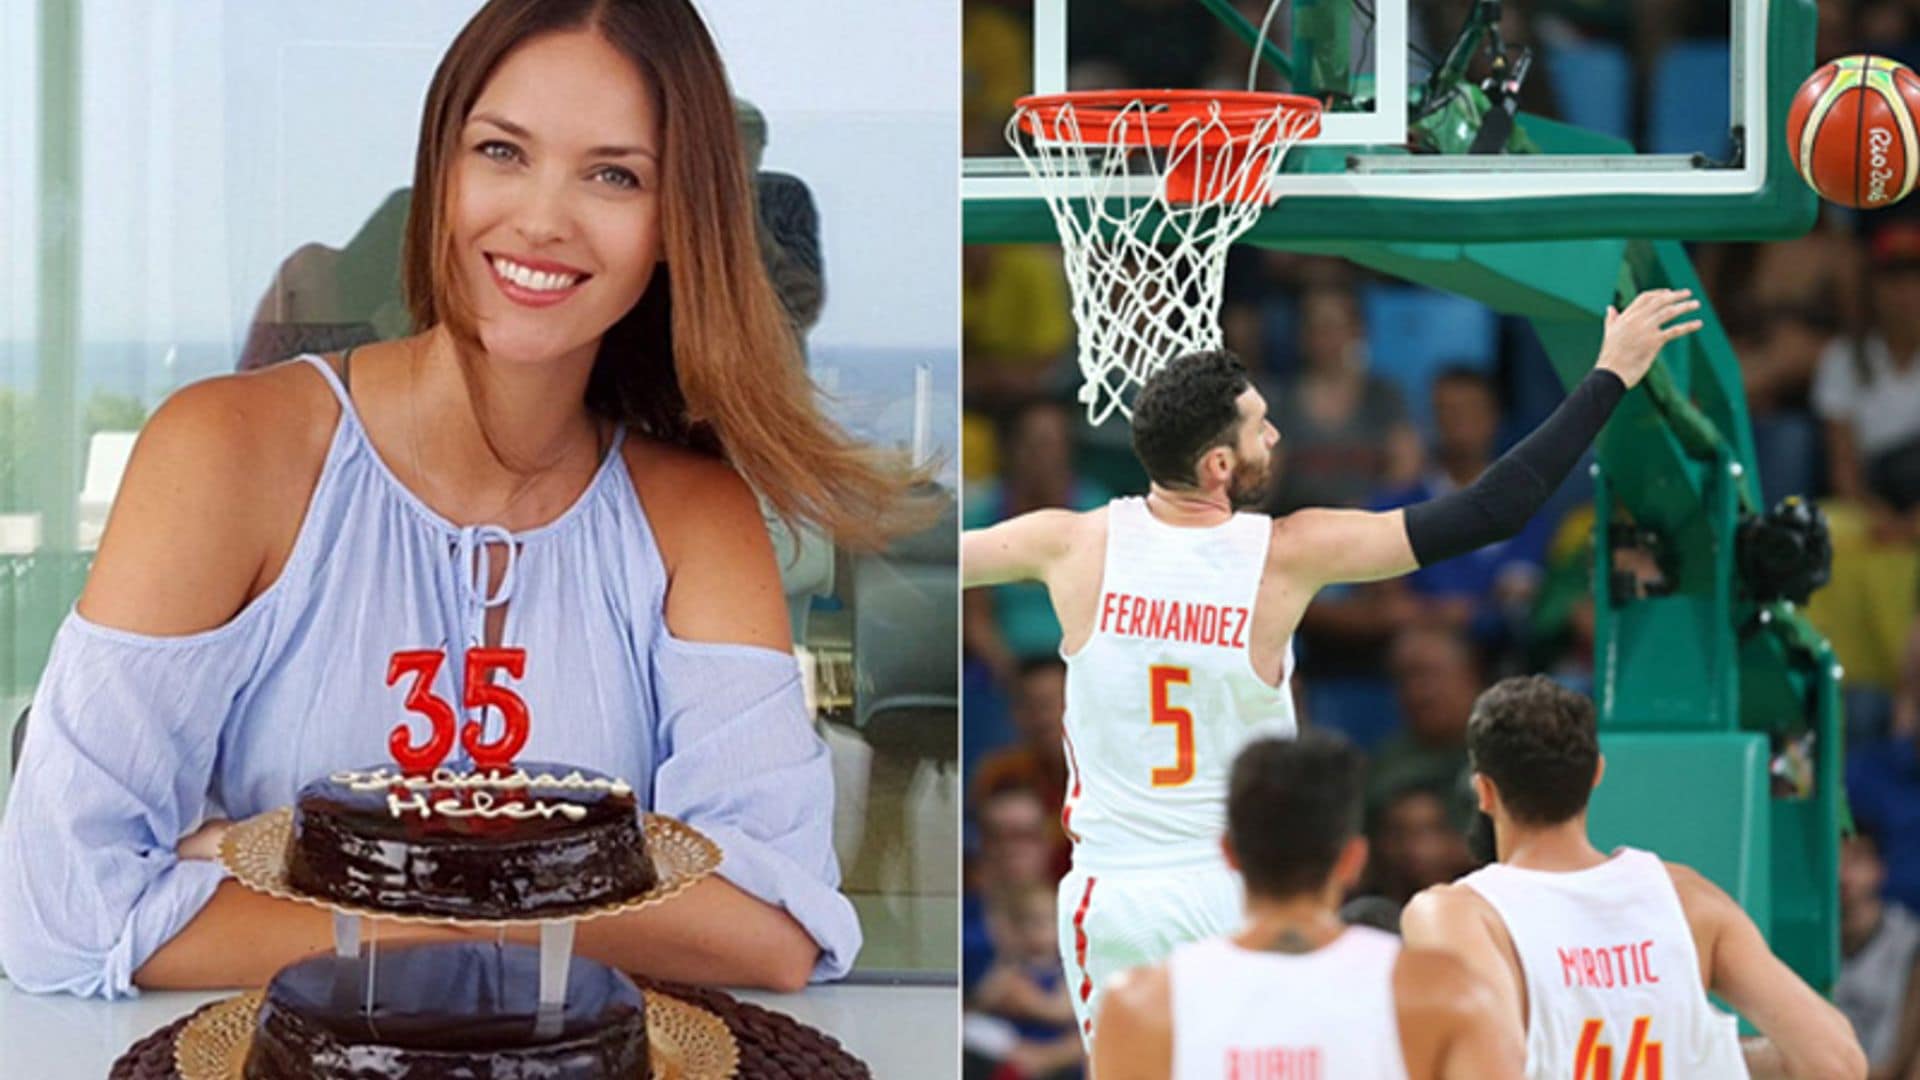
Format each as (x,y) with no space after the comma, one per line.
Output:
(1179,719)
(1593,1059)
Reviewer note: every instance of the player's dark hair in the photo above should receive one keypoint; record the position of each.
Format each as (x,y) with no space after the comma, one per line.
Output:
(1292,804)
(1536,740)
(1185,409)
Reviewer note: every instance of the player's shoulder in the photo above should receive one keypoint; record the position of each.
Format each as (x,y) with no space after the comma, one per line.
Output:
(1133,1034)
(1141,986)
(1053,517)
(1438,981)
(1299,536)
(1451,1016)
(1445,908)
(1687,880)
(1068,531)
(1139,998)
(1039,545)
(1707,907)
(1453,915)
(1090,524)
(1697,892)
(1094,518)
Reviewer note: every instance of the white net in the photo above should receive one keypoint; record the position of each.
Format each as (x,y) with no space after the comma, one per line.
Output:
(1146,270)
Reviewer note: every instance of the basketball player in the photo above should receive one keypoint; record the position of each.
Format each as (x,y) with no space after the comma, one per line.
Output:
(1604,961)
(1177,618)
(1295,993)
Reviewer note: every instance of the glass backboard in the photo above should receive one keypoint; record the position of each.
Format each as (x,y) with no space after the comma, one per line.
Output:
(1446,120)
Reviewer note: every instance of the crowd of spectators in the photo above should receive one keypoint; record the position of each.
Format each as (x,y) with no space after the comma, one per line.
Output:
(1826,333)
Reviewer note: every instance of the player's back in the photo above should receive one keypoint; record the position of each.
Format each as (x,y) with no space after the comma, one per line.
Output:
(1249,1015)
(1612,973)
(1163,693)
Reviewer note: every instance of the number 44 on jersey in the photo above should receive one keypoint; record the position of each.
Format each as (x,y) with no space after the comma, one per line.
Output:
(1593,1059)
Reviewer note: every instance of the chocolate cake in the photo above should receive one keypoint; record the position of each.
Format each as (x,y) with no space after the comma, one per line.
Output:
(446,1010)
(530,841)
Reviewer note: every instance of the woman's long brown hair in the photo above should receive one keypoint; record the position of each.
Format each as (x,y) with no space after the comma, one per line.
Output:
(707,358)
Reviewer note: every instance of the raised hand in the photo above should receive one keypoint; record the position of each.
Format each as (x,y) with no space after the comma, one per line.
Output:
(1634,336)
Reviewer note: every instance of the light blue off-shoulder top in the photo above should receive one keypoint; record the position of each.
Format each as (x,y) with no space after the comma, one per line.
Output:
(135,740)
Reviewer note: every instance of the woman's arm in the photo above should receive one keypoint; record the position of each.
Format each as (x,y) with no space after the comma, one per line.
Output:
(735,753)
(712,934)
(128,713)
(241,937)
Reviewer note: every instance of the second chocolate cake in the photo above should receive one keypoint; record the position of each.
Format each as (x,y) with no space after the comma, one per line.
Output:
(446,1011)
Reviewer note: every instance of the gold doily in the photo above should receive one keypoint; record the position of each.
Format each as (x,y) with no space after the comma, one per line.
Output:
(684,1041)
(255,851)
(213,1045)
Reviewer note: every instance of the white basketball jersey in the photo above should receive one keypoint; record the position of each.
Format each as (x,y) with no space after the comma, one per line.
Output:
(1613,977)
(1163,695)
(1326,1015)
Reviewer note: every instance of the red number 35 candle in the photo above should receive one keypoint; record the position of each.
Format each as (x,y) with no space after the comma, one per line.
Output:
(481,692)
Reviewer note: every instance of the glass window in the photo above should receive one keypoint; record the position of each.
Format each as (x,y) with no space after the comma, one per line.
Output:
(233,193)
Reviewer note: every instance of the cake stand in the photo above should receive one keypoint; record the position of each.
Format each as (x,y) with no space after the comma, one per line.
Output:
(255,852)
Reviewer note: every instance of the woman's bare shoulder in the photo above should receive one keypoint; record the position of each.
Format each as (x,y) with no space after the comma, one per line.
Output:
(723,583)
(216,487)
(690,497)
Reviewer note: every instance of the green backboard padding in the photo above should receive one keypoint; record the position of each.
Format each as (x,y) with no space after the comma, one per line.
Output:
(1671,672)
(1698,799)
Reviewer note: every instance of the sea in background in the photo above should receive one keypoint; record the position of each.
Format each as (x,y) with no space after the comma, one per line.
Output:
(869,390)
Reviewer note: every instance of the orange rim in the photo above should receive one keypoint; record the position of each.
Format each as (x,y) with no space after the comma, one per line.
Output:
(1156,118)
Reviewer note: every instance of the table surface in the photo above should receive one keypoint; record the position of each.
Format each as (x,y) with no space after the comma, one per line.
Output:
(898,1030)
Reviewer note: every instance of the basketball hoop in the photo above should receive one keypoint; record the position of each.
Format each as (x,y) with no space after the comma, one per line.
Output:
(1146,271)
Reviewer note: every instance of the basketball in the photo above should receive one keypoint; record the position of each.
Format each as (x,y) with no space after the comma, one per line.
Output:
(1851,131)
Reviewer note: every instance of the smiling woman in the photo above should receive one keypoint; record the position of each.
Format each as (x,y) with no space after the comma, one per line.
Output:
(562,459)
(605,116)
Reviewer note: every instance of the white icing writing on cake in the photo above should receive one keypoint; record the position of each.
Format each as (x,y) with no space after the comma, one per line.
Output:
(447,778)
(482,804)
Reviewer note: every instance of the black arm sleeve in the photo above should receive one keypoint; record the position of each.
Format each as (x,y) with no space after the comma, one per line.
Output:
(1496,506)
